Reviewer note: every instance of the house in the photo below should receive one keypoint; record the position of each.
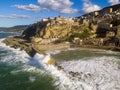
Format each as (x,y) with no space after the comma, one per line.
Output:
(45,19)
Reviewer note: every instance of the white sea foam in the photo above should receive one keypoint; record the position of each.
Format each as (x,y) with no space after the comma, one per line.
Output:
(104,72)
(53,52)
(63,80)
(32,78)
(17,57)
(95,74)
(108,52)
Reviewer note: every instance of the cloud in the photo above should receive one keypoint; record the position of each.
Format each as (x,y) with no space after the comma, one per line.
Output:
(14,16)
(62,6)
(89,7)
(113,2)
(30,7)
(55,4)
(69,10)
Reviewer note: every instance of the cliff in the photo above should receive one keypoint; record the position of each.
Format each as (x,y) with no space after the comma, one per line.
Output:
(86,29)
(96,24)
(107,21)
(53,30)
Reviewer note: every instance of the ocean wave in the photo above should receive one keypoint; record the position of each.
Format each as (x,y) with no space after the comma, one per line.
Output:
(96,73)
(99,73)
(17,57)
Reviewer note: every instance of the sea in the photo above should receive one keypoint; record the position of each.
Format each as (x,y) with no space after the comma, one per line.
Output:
(79,69)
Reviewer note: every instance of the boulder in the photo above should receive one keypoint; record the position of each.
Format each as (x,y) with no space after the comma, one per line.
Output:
(50,62)
(36,39)
(20,43)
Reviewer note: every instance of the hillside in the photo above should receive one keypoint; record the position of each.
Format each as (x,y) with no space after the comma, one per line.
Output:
(18,28)
(99,24)
(51,30)
(107,20)
(2,28)
(99,29)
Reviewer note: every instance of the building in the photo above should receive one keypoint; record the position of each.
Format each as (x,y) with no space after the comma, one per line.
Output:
(96,13)
(110,10)
(45,19)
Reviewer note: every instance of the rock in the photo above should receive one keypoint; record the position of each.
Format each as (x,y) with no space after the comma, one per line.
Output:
(53,29)
(60,68)
(74,74)
(71,73)
(50,62)
(16,42)
(36,39)
(31,52)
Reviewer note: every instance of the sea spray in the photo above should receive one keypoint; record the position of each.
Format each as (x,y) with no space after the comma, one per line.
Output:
(62,79)
(95,73)
(99,73)
(21,71)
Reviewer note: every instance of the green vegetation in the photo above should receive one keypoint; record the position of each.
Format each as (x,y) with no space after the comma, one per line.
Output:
(85,33)
(11,79)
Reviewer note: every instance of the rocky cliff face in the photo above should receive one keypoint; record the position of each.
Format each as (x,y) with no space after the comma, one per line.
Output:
(81,30)
(99,23)
(51,30)
(107,20)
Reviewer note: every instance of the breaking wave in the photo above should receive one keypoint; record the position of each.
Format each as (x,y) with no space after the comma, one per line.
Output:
(97,73)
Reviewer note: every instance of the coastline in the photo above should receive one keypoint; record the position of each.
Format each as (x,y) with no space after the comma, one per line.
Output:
(81,71)
(111,48)
(33,48)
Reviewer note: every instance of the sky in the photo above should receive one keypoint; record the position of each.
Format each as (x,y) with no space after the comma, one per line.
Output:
(25,12)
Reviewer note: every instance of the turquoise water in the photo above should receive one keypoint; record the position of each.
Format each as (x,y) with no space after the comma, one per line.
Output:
(20,72)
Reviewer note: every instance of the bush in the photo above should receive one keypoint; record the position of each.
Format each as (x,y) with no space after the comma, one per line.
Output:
(84,34)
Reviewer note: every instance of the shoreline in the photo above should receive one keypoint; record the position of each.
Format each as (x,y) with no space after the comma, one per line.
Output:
(33,48)
(70,72)
(111,48)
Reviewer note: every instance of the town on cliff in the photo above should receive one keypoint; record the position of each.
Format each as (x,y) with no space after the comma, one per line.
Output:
(98,29)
